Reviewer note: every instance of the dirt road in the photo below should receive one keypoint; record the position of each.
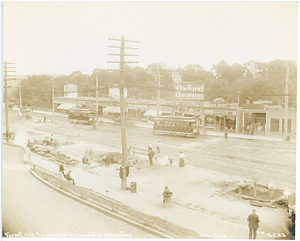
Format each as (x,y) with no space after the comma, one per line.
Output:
(212,164)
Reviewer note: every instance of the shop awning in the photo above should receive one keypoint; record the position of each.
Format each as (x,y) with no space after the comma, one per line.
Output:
(152,113)
(231,117)
(220,115)
(66,106)
(111,109)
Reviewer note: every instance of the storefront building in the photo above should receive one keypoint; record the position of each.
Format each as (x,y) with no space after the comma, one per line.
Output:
(275,122)
(254,119)
(221,117)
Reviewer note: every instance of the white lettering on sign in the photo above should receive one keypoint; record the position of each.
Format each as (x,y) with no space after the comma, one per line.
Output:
(189,95)
(189,91)
(189,88)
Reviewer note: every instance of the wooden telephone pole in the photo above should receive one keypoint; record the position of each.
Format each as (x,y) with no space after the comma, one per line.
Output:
(286,103)
(122,102)
(5,78)
(97,103)
(158,90)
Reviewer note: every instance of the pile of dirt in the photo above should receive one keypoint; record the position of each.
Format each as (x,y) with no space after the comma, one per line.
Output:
(111,157)
(63,158)
(262,192)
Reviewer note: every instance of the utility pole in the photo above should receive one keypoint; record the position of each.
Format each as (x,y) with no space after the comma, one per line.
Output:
(6,96)
(122,102)
(158,91)
(20,95)
(238,98)
(53,96)
(286,103)
(96,101)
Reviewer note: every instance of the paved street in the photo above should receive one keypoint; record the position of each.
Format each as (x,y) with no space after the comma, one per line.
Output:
(29,207)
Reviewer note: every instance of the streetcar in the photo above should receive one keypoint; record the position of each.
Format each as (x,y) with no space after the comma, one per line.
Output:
(176,126)
(82,116)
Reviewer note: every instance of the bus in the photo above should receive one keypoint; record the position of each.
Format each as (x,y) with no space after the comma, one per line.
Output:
(82,116)
(176,126)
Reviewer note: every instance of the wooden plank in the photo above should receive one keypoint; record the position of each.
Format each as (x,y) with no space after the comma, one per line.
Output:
(256,203)
(251,198)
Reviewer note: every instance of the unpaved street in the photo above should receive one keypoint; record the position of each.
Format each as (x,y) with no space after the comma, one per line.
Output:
(31,209)
(263,160)
(212,164)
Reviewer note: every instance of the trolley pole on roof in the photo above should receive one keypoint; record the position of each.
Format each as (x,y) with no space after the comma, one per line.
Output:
(122,102)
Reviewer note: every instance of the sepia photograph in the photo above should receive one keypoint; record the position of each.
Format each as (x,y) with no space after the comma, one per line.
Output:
(149,119)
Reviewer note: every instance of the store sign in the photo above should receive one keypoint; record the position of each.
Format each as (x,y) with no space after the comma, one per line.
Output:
(115,93)
(189,91)
(262,102)
(70,91)
(218,100)
(215,105)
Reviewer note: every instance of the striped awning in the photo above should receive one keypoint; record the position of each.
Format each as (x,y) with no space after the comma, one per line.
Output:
(111,109)
(152,113)
(66,106)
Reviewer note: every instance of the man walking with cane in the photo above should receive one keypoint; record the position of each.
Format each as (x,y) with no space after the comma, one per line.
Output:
(253,220)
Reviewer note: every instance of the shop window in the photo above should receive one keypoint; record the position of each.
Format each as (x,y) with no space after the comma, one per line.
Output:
(289,127)
(274,125)
(209,119)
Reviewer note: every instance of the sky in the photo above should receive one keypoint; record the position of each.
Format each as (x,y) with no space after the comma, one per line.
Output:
(62,37)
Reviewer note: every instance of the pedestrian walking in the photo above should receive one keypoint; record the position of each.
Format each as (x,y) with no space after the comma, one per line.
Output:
(158,147)
(151,155)
(181,159)
(253,220)
(69,178)
(85,159)
(150,146)
(107,161)
(51,140)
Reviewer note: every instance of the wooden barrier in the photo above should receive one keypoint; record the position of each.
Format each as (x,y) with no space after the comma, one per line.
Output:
(63,183)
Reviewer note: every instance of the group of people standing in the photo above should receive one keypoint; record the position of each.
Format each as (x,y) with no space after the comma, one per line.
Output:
(152,154)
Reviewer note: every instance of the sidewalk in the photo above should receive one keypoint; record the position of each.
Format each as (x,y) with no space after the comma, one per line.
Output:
(207,132)
(106,183)
(229,135)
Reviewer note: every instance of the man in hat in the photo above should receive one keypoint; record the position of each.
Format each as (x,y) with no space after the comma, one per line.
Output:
(253,220)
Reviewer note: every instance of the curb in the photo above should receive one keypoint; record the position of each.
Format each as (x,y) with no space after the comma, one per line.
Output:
(102,210)
(91,205)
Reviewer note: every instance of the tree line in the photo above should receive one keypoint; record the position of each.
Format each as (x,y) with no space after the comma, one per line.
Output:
(251,81)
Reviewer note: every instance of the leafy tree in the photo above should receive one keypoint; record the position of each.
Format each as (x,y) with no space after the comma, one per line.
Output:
(36,90)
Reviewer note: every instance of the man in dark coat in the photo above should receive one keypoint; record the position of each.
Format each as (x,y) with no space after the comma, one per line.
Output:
(253,220)
(62,169)
(151,154)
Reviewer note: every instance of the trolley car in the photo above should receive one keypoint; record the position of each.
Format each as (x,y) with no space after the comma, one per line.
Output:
(82,116)
(176,126)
